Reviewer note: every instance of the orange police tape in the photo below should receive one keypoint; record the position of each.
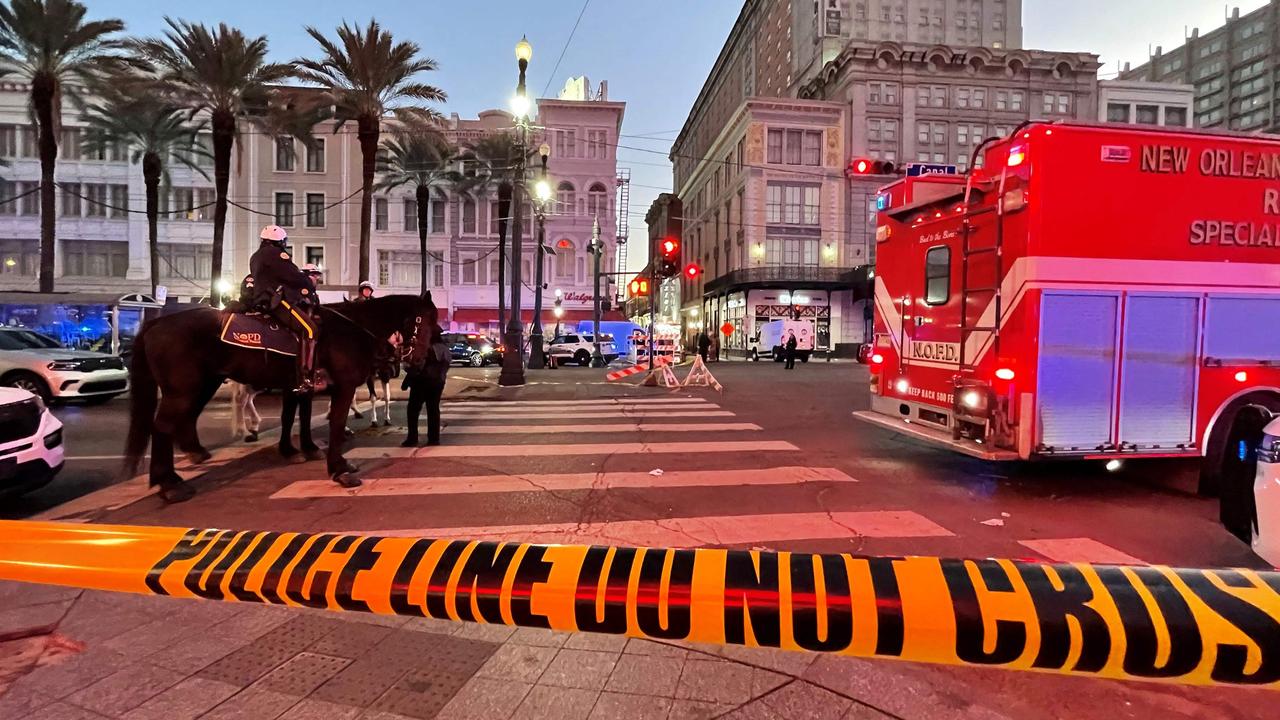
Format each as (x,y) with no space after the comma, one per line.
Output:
(1142,623)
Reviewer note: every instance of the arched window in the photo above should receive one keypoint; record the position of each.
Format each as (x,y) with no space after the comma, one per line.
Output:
(565,199)
(597,202)
(565,254)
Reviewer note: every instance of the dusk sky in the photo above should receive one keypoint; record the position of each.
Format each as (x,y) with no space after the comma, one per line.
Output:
(655,54)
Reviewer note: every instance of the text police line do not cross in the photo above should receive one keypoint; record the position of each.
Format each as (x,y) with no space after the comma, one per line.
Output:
(1145,623)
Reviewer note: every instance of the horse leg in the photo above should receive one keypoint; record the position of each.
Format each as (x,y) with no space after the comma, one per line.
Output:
(309,448)
(188,436)
(253,422)
(373,401)
(386,402)
(355,409)
(239,423)
(288,407)
(340,470)
(173,488)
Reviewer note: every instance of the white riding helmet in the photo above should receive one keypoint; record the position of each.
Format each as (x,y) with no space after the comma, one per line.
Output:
(311,269)
(366,284)
(274,233)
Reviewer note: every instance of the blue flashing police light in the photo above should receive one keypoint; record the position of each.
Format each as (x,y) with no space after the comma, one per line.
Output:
(882,202)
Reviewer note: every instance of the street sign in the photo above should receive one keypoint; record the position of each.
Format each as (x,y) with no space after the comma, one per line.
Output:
(726,329)
(162,293)
(918,169)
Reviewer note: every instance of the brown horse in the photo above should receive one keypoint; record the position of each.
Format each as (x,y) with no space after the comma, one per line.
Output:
(179,362)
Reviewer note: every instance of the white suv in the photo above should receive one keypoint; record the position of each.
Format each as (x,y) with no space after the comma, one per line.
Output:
(30,442)
(39,364)
(577,347)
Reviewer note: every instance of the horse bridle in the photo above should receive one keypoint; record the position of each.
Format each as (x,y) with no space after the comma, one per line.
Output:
(406,349)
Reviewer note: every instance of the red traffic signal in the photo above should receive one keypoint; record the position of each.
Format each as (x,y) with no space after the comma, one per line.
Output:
(692,271)
(669,247)
(870,166)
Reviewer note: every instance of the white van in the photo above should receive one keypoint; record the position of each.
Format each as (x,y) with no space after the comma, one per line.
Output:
(771,339)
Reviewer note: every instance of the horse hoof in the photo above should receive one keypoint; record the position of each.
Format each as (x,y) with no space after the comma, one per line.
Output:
(296,458)
(251,437)
(347,480)
(176,491)
(200,457)
(386,423)
(348,432)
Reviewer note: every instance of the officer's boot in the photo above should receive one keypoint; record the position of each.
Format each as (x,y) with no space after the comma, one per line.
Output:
(306,366)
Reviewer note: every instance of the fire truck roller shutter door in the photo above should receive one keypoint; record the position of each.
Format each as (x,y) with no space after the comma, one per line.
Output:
(1077,369)
(1158,370)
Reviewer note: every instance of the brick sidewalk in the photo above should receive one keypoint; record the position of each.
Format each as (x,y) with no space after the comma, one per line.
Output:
(152,658)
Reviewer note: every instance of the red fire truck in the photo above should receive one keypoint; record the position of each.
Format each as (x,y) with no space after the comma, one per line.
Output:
(1091,292)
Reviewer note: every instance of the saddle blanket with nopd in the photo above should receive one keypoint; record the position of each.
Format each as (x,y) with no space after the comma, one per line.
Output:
(258,332)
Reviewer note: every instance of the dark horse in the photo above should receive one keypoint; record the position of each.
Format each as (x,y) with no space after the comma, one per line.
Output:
(179,363)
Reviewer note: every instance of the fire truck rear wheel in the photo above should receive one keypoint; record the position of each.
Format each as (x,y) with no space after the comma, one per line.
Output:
(1230,461)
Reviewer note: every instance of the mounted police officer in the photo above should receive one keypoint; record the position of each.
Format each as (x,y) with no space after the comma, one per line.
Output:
(287,294)
(365,292)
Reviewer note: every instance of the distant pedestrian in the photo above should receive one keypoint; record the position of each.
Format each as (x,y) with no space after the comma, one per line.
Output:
(715,348)
(425,382)
(791,350)
(704,345)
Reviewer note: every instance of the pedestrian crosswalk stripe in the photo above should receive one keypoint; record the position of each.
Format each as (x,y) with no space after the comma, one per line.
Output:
(470,484)
(1083,550)
(580,403)
(556,449)
(583,414)
(501,408)
(701,531)
(502,429)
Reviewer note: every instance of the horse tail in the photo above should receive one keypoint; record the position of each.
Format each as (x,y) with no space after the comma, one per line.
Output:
(143,400)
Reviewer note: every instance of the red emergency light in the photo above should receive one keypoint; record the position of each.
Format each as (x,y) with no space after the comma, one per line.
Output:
(692,271)
(669,246)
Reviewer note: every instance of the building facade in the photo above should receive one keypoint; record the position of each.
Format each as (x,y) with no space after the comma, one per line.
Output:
(1137,102)
(1233,69)
(313,190)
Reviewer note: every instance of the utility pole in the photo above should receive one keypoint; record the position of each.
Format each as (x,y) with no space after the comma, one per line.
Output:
(597,359)
(513,356)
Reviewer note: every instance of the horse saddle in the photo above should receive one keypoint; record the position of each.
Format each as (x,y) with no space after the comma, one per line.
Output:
(255,331)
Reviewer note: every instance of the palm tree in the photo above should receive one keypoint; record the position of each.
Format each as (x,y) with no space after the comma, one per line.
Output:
(423,161)
(49,44)
(368,75)
(155,130)
(221,73)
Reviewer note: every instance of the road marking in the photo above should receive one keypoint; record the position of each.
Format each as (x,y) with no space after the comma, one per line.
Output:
(501,408)
(573,449)
(601,428)
(606,402)
(469,484)
(697,531)
(1086,550)
(576,415)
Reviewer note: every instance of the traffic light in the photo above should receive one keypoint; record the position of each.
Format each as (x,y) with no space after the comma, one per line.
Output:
(692,271)
(639,287)
(869,166)
(669,252)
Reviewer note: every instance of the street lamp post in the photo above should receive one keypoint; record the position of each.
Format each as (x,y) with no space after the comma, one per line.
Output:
(597,359)
(542,191)
(513,357)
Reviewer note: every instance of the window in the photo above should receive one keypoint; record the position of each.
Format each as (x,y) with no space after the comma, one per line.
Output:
(180,261)
(380,219)
(7,190)
(962,97)
(812,148)
(285,155)
(597,204)
(437,215)
(793,156)
(315,210)
(284,209)
(95,258)
(410,210)
(71,204)
(27,145)
(882,93)
(1148,115)
(69,145)
(95,200)
(565,258)
(21,257)
(468,216)
(979,98)
(774,155)
(597,144)
(566,199)
(120,201)
(1175,116)
(1017,99)
(9,141)
(566,143)
(1002,99)
(315,155)
(314,255)
(30,202)
(937,276)
(792,204)
(1118,112)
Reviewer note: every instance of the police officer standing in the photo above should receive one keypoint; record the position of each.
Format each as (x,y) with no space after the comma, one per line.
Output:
(287,294)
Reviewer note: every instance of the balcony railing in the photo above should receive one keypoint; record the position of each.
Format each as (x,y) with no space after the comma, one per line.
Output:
(789,275)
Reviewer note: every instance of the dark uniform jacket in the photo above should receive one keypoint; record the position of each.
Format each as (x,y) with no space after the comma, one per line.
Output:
(272,268)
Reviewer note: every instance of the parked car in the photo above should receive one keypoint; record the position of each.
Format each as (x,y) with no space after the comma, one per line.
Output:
(577,347)
(31,452)
(473,349)
(40,365)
